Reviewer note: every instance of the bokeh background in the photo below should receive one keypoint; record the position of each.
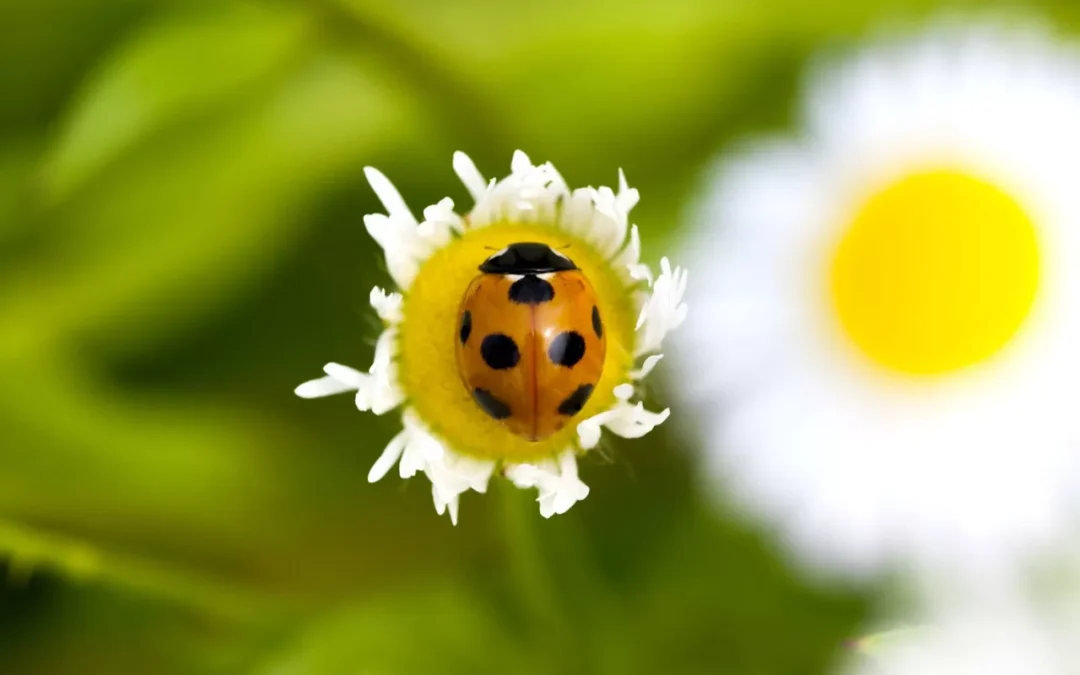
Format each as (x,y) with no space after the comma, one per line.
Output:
(181,244)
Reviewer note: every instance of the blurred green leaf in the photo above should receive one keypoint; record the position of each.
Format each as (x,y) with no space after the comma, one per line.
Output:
(79,453)
(46,48)
(55,628)
(184,224)
(28,550)
(178,67)
(424,629)
(17,163)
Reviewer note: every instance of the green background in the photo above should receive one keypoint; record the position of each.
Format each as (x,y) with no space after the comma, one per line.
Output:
(181,244)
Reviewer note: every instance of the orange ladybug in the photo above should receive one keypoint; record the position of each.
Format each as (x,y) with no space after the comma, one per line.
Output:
(531,344)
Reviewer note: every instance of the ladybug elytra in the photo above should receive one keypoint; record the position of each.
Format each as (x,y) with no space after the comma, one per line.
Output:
(531,344)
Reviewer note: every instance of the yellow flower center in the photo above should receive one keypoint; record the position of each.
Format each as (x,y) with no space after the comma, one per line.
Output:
(936,273)
(428,369)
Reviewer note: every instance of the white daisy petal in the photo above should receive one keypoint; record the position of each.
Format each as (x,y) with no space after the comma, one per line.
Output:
(417,451)
(470,176)
(623,419)
(1000,636)
(521,163)
(628,196)
(423,452)
(961,462)
(379,397)
(608,228)
(635,422)
(646,367)
(640,272)
(570,490)
(474,472)
(444,504)
(346,375)
(383,230)
(386,305)
(339,379)
(401,244)
(452,506)
(665,310)
(389,457)
(378,390)
(389,196)
(558,484)
(590,430)
(323,386)
(405,242)
(577,212)
(440,222)
(630,258)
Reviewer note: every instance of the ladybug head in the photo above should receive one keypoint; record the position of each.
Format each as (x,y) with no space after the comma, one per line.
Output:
(527,258)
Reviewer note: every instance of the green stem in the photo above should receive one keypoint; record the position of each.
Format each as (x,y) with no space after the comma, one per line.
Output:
(28,549)
(532,578)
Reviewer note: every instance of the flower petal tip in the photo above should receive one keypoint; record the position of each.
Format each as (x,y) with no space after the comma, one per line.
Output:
(324,386)
(391,199)
(520,162)
(469,175)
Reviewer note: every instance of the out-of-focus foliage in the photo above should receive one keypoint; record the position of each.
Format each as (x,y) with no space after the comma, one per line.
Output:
(181,243)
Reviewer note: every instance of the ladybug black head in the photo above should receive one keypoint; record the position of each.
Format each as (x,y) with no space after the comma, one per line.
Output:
(527,258)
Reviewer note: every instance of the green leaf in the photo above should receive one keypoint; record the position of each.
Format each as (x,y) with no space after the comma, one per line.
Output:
(53,626)
(17,163)
(177,68)
(429,628)
(180,227)
(80,453)
(27,549)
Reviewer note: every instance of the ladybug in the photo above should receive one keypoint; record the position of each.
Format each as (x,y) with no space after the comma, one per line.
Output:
(530,342)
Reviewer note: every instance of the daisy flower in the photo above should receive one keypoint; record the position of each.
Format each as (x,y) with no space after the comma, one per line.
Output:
(456,442)
(885,360)
(1004,637)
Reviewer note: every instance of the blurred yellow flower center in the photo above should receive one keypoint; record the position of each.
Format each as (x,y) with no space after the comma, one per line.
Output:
(936,273)
(427,364)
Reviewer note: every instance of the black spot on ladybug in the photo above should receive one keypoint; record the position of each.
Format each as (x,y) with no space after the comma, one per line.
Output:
(499,351)
(576,401)
(597,324)
(466,326)
(567,349)
(491,405)
(531,290)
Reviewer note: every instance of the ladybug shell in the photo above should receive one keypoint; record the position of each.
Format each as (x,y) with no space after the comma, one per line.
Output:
(531,348)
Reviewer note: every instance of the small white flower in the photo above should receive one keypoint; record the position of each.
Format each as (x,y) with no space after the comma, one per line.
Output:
(883,352)
(433,261)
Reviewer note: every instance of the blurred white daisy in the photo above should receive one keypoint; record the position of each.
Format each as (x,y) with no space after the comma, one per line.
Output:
(884,353)
(432,261)
(1003,637)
